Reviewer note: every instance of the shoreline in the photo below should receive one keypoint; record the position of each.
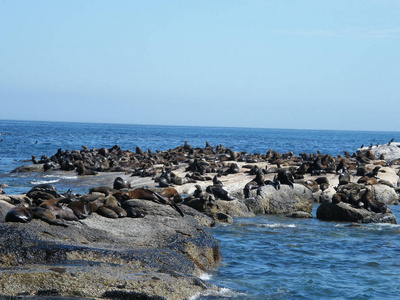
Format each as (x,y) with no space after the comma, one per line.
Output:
(215,210)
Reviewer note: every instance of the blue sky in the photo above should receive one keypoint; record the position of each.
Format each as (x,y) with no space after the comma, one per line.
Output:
(300,64)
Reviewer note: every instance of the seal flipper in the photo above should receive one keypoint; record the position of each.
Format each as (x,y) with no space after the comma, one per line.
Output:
(162,200)
(177,209)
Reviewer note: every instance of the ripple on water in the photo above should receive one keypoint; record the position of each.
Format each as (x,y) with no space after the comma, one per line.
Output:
(308,259)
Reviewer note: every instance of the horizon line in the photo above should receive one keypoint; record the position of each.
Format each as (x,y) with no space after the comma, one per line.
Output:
(206,126)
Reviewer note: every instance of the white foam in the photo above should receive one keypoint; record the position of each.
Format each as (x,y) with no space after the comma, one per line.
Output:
(44,181)
(279,225)
(221,292)
(205,276)
(62,177)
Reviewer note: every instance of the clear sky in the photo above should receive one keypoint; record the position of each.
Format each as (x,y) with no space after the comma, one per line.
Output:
(306,64)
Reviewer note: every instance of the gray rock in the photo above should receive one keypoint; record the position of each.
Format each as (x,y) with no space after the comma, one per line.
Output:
(284,200)
(390,152)
(29,168)
(300,215)
(346,213)
(385,194)
(158,255)
(5,206)
(234,208)
(326,195)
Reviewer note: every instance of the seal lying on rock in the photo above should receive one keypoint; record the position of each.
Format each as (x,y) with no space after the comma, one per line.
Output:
(146,194)
(26,214)
(19,214)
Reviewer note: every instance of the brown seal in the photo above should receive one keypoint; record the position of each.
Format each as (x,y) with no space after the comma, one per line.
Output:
(82,170)
(82,209)
(146,194)
(60,211)
(107,212)
(102,189)
(19,214)
(344,178)
(112,203)
(370,203)
(368,180)
(340,197)
(26,214)
(170,192)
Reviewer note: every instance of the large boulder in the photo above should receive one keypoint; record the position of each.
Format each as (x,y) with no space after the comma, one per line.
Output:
(326,195)
(385,194)
(284,200)
(235,208)
(345,212)
(389,151)
(161,254)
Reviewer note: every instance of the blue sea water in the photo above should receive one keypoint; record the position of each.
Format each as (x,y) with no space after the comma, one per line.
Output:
(265,257)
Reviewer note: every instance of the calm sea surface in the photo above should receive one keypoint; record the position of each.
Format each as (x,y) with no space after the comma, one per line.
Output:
(266,257)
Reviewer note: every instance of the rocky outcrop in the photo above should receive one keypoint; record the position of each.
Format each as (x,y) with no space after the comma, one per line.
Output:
(161,254)
(385,194)
(345,212)
(285,200)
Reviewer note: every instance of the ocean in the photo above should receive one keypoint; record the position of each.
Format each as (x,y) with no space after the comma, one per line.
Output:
(265,257)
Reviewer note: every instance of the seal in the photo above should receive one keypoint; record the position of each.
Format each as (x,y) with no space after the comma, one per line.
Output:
(252,185)
(216,181)
(120,184)
(19,214)
(112,203)
(368,180)
(63,212)
(26,214)
(102,189)
(200,194)
(146,194)
(46,215)
(370,203)
(256,183)
(344,178)
(219,193)
(60,211)
(107,212)
(82,170)
(82,209)
(339,197)
(284,177)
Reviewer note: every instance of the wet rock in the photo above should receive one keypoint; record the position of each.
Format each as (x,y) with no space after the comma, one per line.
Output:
(300,215)
(29,168)
(347,213)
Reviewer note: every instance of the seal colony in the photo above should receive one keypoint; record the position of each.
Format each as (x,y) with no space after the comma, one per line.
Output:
(147,223)
(203,177)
